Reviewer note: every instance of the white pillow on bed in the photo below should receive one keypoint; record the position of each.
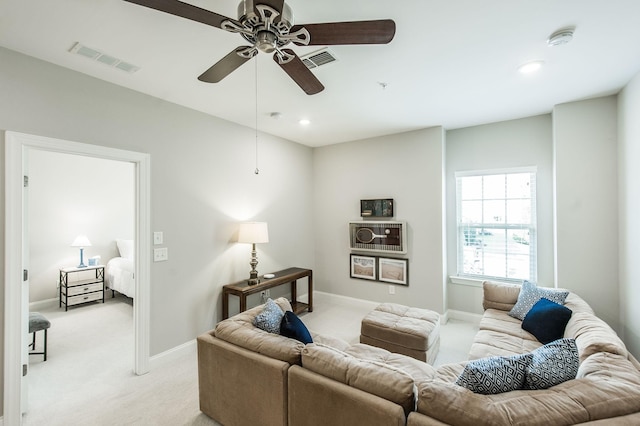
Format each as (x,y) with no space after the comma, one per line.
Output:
(125,247)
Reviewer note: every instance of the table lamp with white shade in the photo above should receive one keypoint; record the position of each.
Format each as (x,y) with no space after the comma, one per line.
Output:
(81,241)
(253,233)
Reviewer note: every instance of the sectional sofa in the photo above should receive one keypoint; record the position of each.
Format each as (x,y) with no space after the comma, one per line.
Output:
(248,377)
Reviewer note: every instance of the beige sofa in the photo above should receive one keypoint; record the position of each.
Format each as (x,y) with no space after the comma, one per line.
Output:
(250,377)
(606,390)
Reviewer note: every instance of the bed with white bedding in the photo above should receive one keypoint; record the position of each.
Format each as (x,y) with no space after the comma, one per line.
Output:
(119,271)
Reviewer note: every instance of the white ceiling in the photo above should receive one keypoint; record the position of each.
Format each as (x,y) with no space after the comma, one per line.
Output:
(452,62)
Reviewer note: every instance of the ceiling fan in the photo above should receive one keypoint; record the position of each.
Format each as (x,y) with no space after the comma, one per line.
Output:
(268,25)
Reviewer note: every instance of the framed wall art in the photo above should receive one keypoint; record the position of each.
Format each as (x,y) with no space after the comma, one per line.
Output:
(377,236)
(376,208)
(363,267)
(392,270)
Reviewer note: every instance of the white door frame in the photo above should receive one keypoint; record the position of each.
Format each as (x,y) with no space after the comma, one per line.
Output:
(16,147)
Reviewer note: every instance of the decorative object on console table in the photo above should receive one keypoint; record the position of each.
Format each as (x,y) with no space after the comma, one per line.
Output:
(392,270)
(253,233)
(88,289)
(243,289)
(363,267)
(81,241)
(385,237)
(376,208)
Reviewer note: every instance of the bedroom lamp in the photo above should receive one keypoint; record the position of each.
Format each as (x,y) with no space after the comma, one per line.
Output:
(81,241)
(253,233)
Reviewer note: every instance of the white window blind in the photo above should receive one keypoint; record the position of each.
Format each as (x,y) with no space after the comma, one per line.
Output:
(496,219)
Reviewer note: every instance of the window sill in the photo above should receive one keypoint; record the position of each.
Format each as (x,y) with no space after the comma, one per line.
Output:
(471,282)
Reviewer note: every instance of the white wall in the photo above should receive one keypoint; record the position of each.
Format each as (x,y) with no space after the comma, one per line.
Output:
(406,167)
(586,179)
(71,195)
(202,184)
(629,213)
(515,143)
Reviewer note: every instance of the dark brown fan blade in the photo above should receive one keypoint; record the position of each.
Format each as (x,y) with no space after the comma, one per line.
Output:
(185,10)
(359,32)
(300,74)
(224,66)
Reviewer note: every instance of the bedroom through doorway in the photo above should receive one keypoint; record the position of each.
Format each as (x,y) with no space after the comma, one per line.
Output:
(71,195)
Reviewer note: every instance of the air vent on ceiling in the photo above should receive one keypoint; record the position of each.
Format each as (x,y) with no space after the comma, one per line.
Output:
(103,58)
(318,58)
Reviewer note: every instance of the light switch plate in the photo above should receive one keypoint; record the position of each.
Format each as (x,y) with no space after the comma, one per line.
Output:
(158,238)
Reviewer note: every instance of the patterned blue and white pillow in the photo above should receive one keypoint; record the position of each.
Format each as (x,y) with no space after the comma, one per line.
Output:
(553,364)
(495,374)
(530,294)
(270,317)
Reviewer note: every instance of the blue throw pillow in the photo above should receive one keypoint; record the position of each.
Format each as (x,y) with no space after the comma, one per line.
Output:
(495,374)
(547,320)
(292,326)
(530,294)
(552,364)
(270,317)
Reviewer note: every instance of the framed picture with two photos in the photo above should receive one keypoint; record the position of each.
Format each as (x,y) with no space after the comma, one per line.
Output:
(383,269)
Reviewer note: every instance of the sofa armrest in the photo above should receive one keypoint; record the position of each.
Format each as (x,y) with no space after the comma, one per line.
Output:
(499,296)
(240,387)
(316,400)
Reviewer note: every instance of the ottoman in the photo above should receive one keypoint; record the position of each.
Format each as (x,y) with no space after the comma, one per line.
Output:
(400,329)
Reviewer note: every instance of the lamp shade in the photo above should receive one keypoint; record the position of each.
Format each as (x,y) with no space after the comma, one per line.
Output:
(81,241)
(253,232)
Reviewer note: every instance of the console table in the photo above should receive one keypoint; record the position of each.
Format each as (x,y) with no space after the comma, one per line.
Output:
(291,275)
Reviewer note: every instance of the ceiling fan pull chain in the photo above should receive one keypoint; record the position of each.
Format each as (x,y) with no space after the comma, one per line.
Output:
(257,171)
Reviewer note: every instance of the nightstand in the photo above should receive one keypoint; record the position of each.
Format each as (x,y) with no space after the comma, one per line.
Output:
(88,288)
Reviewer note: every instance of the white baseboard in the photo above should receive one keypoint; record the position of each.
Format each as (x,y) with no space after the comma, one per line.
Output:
(463,316)
(42,304)
(172,354)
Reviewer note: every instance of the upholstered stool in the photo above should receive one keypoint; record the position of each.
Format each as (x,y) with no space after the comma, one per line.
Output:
(400,329)
(38,322)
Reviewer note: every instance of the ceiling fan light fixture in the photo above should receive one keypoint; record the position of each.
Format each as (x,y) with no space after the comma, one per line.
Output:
(266,41)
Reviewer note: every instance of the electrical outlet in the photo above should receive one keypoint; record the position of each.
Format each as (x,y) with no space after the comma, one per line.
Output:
(392,290)
(160,254)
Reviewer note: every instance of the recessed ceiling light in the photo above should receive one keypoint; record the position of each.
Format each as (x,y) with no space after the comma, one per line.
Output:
(530,67)
(304,122)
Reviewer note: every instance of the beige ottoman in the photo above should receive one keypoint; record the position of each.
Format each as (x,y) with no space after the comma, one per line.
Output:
(400,329)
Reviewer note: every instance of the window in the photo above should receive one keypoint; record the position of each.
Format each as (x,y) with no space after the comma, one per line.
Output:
(496,219)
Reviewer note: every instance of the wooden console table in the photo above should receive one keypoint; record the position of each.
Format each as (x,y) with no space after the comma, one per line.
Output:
(291,275)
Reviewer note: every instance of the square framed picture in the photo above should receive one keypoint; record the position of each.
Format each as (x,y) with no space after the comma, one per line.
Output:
(394,271)
(363,267)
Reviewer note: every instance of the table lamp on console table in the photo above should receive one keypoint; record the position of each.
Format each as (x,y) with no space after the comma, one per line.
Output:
(253,233)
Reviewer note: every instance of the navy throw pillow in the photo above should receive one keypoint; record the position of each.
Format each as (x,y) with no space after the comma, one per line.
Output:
(292,326)
(546,320)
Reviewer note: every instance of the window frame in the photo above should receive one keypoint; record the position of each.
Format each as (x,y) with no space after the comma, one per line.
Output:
(531,226)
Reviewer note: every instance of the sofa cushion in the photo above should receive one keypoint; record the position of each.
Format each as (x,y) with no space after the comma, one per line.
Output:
(593,335)
(547,320)
(530,294)
(495,374)
(270,317)
(418,370)
(292,326)
(499,321)
(369,376)
(494,343)
(552,364)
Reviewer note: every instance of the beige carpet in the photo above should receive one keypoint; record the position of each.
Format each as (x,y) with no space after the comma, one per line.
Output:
(88,380)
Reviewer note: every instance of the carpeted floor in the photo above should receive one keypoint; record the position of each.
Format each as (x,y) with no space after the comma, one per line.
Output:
(88,380)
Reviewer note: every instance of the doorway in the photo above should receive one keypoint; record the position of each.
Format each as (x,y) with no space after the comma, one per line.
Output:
(17,148)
